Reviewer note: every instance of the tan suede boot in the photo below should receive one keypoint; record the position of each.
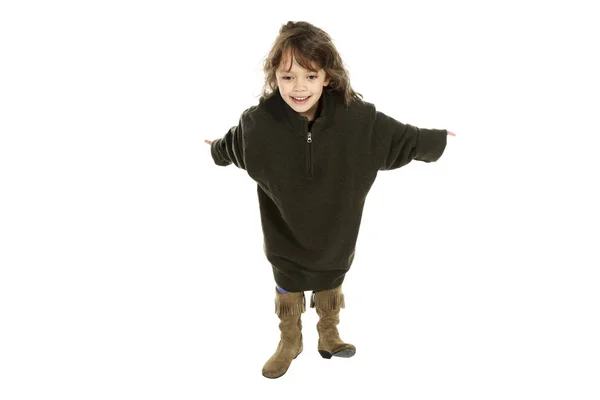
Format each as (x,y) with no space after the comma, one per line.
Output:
(289,308)
(328,304)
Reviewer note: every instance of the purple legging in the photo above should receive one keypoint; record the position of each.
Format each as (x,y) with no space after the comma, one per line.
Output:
(280,290)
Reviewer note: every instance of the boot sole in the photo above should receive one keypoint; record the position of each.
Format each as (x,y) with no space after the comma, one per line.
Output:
(345,353)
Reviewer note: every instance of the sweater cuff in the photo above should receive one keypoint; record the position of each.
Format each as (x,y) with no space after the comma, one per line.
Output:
(431,144)
(216,154)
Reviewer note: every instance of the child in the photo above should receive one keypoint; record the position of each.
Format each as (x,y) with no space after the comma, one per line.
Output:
(314,149)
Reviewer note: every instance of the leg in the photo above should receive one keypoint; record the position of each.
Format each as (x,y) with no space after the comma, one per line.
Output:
(328,304)
(289,308)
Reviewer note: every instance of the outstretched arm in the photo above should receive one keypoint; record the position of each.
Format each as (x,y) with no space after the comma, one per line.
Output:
(230,148)
(402,143)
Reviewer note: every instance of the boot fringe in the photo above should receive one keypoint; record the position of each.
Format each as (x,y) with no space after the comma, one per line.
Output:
(328,300)
(289,304)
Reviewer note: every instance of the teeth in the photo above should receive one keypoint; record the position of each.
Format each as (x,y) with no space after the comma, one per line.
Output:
(300,98)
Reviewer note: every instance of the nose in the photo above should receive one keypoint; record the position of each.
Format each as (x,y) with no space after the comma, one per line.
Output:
(300,85)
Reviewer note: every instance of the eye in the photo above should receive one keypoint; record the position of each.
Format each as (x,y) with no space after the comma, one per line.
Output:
(312,77)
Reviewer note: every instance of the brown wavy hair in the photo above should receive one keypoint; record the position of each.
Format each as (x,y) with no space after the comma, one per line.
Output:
(312,47)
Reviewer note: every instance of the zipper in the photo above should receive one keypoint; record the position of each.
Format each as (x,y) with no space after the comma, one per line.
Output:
(309,154)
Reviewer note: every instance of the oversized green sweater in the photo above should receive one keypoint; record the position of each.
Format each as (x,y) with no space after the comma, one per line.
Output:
(312,185)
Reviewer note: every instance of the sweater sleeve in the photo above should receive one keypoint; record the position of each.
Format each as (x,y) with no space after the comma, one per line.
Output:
(231,147)
(401,143)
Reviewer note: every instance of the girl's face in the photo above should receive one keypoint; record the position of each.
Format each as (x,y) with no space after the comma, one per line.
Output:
(300,88)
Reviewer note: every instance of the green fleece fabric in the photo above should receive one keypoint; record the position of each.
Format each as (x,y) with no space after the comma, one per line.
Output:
(312,193)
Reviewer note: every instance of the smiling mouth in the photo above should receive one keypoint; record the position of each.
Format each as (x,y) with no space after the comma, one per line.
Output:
(300,99)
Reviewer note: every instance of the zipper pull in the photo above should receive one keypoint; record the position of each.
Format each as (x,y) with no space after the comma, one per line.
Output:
(309,140)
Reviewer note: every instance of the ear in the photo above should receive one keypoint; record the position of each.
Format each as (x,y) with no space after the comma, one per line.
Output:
(326,82)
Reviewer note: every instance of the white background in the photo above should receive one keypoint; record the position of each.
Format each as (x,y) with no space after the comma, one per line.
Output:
(132,266)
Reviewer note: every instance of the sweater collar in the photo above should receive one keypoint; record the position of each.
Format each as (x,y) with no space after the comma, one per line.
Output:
(298,123)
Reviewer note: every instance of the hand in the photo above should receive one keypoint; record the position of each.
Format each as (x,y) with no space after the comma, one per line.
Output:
(207,142)
(451,134)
